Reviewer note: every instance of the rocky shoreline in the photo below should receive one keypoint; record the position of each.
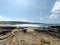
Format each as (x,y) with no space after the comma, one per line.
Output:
(19,37)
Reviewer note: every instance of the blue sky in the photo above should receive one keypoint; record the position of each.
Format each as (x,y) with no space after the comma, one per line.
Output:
(44,11)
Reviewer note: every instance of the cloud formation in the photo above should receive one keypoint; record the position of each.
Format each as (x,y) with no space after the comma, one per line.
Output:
(55,11)
(3,18)
(56,6)
(10,19)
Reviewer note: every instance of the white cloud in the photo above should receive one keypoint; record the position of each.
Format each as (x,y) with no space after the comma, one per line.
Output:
(54,16)
(55,11)
(56,6)
(9,19)
(6,19)
(3,18)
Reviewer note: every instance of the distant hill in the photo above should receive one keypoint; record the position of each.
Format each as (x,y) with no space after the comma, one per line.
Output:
(18,22)
(22,22)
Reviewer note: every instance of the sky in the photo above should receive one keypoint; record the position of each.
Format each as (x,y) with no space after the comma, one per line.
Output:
(43,11)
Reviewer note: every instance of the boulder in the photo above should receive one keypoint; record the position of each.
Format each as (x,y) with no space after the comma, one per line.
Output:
(29,30)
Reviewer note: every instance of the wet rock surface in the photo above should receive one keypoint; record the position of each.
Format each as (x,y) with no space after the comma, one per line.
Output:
(29,38)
